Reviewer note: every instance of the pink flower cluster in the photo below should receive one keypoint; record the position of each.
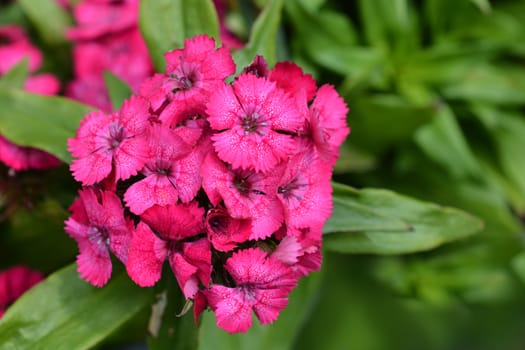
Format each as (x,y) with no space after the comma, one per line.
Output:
(227,182)
(15,46)
(106,38)
(14,282)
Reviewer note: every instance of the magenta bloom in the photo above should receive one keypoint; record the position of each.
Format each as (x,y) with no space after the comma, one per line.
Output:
(261,283)
(254,119)
(291,78)
(23,158)
(225,232)
(227,182)
(98,225)
(305,191)
(14,47)
(246,194)
(116,142)
(164,182)
(198,69)
(162,235)
(327,122)
(14,282)
(96,18)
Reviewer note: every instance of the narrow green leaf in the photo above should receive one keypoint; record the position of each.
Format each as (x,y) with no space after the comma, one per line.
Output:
(118,89)
(444,142)
(23,116)
(16,76)
(370,114)
(65,312)
(430,225)
(165,24)
(49,18)
(263,37)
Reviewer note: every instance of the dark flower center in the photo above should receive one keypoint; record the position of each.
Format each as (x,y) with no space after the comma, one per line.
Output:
(116,135)
(99,236)
(294,188)
(253,122)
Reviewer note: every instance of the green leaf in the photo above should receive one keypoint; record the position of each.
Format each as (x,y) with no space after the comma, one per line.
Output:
(118,89)
(165,24)
(65,312)
(426,225)
(444,142)
(263,37)
(49,18)
(16,76)
(24,117)
(487,83)
(370,114)
(168,329)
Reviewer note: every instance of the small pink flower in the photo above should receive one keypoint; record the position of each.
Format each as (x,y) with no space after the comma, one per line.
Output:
(254,120)
(246,195)
(305,191)
(162,170)
(14,282)
(327,121)
(116,142)
(261,283)
(198,69)
(160,236)
(96,18)
(291,78)
(225,232)
(14,47)
(43,84)
(99,226)
(23,158)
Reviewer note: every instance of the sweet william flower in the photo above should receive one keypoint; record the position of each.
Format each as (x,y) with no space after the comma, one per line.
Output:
(253,120)
(98,225)
(115,142)
(261,284)
(163,235)
(162,172)
(246,194)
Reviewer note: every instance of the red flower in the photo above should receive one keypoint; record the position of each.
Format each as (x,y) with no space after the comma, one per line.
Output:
(261,283)
(160,236)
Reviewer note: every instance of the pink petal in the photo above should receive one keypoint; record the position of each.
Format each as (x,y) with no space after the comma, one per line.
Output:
(232,310)
(146,256)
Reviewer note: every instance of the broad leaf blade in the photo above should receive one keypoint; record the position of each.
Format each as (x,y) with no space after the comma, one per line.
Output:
(165,24)
(263,37)
(64,312)
(430,225)
(23,116)
(15,78)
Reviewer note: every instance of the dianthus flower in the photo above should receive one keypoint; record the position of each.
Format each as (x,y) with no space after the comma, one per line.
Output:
(15,47)
(227,182)
(106,38)
(14,282)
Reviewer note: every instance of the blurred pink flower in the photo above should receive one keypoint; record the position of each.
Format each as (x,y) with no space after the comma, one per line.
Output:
(14,282)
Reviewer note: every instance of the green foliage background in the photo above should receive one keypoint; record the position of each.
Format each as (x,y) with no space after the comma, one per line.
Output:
(436,91)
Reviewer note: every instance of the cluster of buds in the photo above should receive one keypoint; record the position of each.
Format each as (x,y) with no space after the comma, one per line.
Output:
(228,182)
